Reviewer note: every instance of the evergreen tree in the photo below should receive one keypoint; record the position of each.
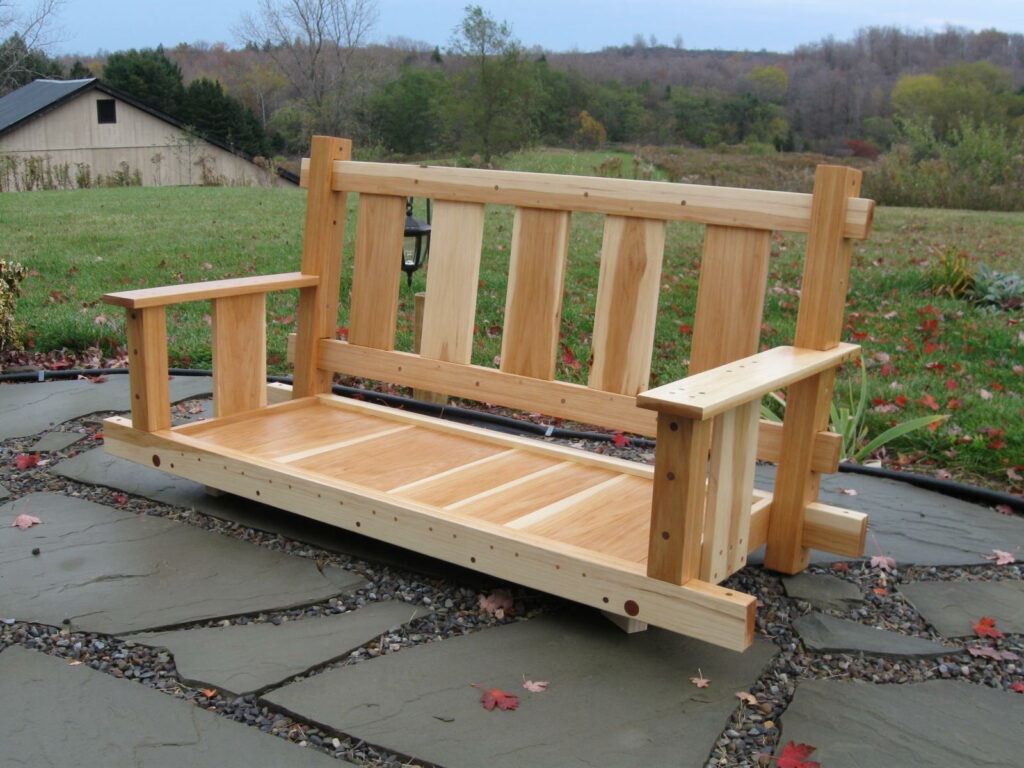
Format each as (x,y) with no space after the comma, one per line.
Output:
(20,64)
(149,76)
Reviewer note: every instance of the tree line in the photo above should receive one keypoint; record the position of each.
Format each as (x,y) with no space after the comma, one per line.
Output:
(306,68)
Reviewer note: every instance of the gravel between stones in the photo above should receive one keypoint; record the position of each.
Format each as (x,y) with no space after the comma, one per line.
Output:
(751,732)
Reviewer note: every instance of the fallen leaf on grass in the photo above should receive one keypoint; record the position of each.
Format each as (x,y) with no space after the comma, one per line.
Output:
(536,687)
(1001,557)
(747,698)
(24,521)
(26,461)
(493,697)
(986,627)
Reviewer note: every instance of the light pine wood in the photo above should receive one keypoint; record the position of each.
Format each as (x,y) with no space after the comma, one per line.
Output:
(828,528)
(730,493)
(239,353)
(322,244)
(712,392)
(533,306)
(677,512)
(698,609)
(143,298)
(555,398)
(147,368)
(819,325)
(426,396)
(476,477)
(452,279)
(728,206)
(365,442)
(544,515)
(378,267)
(730,296)
(627,304)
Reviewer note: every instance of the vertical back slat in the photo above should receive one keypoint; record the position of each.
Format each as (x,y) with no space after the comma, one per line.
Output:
(533,307)
(819,325)
(380,234)
(239,353)
(627,304)
(322,245)
(730,492)
(452,279)
(730,296)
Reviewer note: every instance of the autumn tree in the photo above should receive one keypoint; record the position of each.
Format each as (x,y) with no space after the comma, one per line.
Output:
(24,37)
(490,112)
(313,42)
(407,114)
(591,134)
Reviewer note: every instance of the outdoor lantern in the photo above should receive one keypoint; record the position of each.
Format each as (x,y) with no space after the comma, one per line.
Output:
(417,241)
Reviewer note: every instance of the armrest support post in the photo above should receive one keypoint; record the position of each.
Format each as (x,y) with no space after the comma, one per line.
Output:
(147,368)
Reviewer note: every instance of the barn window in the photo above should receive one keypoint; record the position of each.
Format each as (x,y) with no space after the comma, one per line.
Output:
(106,111)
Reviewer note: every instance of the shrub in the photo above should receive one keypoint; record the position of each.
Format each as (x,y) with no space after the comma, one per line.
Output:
(11,273)
(951,275)
(994,288)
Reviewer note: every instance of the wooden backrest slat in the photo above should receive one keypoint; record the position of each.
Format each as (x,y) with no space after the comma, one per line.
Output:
(452,280)
(379,237)
(627,304)
(728,206)
(730,296)
(533,305)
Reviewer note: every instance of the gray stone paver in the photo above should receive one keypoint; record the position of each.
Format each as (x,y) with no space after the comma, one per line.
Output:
(914,526)
(954,607)
(56,441)
(936,724)
(57,716)
(615,699)
(32,408)
(823,591)
(113,571)
(245,658)
(821,632)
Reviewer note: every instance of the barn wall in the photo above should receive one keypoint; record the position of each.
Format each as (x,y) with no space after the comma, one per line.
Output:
(138,145)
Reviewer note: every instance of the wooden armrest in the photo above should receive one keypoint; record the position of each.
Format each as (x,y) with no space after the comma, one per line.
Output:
(214,289)
(720,389)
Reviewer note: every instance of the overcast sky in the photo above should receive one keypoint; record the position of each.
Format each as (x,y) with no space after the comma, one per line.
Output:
(88,26)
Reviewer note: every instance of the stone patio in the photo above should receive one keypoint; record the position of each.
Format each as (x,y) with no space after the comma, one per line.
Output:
(325,638)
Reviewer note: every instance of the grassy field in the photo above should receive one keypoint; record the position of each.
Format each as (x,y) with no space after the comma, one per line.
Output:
(925,354)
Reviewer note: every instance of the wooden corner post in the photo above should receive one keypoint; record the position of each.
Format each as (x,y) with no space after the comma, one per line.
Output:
(322,246)
(819,325)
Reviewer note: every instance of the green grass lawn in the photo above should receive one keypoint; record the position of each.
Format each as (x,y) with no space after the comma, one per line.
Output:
(925,354)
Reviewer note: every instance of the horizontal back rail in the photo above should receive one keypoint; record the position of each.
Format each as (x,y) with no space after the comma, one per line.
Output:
(726,206)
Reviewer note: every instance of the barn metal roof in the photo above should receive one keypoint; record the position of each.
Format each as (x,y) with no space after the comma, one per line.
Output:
(36,97)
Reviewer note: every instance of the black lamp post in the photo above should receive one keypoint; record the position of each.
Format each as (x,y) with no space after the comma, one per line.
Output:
(417,241)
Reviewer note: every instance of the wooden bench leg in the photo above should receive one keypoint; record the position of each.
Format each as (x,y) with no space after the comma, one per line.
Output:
(626,624)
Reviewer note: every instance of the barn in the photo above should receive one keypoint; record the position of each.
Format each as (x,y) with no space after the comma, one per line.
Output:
(63,134)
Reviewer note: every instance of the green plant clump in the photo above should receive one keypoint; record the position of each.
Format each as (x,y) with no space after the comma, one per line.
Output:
(11,273)
(996,288)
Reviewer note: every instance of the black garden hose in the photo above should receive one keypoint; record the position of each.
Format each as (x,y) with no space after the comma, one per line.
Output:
(970,493)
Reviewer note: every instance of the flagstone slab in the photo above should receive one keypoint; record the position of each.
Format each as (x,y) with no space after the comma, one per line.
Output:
(112,571)
(28,409)
(936,724)
(247,658)
(56,441)
(97,467)
(55,716)
(954,607)
(615,699)
(4,493)
(821,632)
(823,591)
(913,525)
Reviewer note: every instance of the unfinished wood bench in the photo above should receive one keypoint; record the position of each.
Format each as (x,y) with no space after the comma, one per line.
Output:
(645,543)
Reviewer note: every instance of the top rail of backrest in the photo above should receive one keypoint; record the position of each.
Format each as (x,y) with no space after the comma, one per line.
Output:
(725,206)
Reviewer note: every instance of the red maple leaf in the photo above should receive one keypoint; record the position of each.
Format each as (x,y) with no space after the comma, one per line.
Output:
(620,440)
(25,461)
(929,401)
(1017,687)
(492,697)
(793,756)
(569,358)
(986,627)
